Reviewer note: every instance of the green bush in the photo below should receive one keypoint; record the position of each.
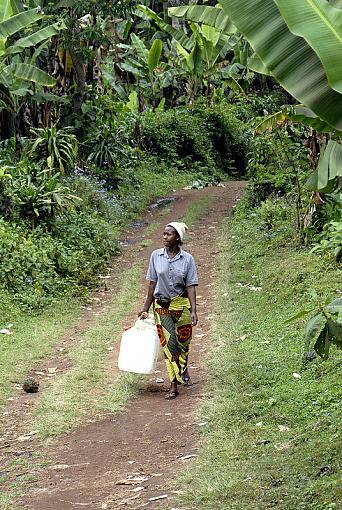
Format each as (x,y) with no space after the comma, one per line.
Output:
(329,241)
(276,159)
(209,139)
(33,194)
(56,148)
(248,107)
(38,267)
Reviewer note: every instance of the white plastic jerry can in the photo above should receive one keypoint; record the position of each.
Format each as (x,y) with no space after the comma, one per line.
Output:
(139,348)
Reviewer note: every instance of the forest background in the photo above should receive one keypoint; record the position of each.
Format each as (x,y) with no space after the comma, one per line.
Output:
(105,106)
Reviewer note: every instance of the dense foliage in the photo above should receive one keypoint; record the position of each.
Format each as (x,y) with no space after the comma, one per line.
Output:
(103,106)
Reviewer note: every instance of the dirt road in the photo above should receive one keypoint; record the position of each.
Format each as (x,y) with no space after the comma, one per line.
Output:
(131,459)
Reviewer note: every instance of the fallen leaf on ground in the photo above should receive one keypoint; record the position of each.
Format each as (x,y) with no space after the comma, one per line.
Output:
(60,466)
(296,376)
(283,428)
(6,332)
(164,496)
(186,457)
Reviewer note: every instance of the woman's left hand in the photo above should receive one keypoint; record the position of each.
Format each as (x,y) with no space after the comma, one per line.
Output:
(194,318)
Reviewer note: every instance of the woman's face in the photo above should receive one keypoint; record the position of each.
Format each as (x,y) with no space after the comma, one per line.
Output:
(170,237)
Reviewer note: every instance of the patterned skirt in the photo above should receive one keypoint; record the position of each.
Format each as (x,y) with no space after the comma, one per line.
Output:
(175,333)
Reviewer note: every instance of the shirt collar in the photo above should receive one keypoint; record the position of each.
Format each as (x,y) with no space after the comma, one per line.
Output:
(164,252)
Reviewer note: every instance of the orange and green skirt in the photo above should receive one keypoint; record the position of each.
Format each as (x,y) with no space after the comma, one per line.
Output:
(175,333)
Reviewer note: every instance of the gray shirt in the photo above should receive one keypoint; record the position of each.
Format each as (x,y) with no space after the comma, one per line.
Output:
(172,275)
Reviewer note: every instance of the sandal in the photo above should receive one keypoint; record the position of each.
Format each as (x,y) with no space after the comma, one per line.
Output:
(172,394)
(187,381)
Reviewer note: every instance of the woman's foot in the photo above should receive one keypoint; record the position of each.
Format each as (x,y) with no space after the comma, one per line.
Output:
(173,392)
(171,395)
(186,379)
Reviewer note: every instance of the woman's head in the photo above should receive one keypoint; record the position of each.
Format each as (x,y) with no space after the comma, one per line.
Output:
(174,233)
(171,237)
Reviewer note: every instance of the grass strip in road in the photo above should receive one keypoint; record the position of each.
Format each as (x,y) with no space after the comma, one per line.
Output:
(271,438)
(193,214)
(81,390)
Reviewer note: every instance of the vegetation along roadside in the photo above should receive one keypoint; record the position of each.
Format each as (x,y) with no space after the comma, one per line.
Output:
(271,431)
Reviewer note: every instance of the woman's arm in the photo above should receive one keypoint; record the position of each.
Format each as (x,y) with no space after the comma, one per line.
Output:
(149,299)
(192,297)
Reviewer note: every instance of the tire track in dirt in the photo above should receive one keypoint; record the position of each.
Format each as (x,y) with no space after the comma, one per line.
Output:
(128,459)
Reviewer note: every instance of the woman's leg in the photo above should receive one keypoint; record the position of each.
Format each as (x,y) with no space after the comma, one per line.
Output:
(184,336)
(166,326)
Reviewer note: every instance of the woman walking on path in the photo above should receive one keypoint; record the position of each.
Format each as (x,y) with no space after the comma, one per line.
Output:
(172,290)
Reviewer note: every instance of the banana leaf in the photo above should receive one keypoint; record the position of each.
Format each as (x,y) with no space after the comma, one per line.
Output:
(305,116)
(299,114)
(36,38)
(314,328)
(28,72)
(212,16)
(255,64)
(179,35)
(19,22)
(335,306)
(131,69)
(6,10)
(319,23)
(154,54)
(289,58)
(140,47)
(328,170)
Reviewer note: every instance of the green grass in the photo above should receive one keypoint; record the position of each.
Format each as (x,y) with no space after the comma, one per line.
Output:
(272,440)
(196,210)
(5,502)
(33,338)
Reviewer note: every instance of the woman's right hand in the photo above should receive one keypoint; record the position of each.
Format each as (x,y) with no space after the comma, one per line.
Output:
(143,315)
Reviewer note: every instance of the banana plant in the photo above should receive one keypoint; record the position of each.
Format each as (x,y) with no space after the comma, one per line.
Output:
(294,60)
(212,16)
(201,55)
(144,64)
(324,328)
(17,73)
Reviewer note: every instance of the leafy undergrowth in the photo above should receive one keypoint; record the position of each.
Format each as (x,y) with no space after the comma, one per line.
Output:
(272,437)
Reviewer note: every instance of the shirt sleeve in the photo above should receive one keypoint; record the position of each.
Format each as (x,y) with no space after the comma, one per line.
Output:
(191,276)
(151,272)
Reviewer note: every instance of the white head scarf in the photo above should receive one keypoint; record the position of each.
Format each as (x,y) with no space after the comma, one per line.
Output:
(179,227)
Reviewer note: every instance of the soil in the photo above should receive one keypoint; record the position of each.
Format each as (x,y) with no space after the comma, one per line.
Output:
(130,459)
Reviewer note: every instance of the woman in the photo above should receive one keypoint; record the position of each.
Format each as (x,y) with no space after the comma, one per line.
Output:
(172,290)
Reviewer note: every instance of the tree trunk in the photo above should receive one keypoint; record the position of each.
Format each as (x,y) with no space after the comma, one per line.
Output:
(80,76)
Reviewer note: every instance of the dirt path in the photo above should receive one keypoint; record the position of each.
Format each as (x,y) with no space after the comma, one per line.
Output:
(127,460)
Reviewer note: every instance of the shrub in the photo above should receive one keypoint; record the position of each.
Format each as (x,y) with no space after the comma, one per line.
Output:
(57,148)
(276,161)
(329,241)
(38,267)
(211,139)
(31,193)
